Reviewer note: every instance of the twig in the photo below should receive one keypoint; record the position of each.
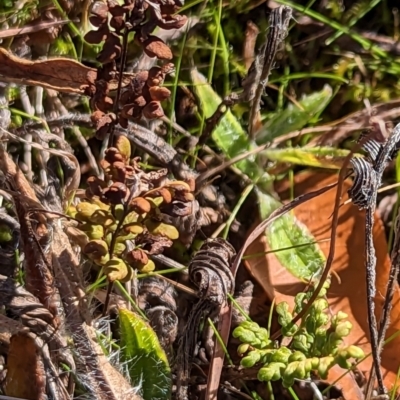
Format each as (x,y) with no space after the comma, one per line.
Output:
(214,281)
(225,316)
(27,106)
(249,43)
(387,306)
(205,176)
(279,24)
(121,71)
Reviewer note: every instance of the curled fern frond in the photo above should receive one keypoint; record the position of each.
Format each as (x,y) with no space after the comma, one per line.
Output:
(373,149)
(365,183)
(210,270)
(368,174)
(368,171)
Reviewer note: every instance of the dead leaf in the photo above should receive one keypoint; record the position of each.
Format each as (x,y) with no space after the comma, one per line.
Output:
(62,74)
(8,327)
(25,370)
(346,383)
(155,47)
(105,381)
(349,295)
(38,26)
(38,277)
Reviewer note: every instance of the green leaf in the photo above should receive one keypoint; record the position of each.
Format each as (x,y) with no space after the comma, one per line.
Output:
(320,157)
(294,117)
(145,359)
(229,135)
(161,229)
(5,233)
(304,262)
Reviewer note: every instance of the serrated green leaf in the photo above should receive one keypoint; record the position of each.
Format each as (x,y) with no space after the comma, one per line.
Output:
(145,359)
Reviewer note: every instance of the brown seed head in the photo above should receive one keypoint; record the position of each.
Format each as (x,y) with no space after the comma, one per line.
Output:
(117,193)
(159,93)
(112,154)
(140,205)
(95,185)
(153,110)
(155,47)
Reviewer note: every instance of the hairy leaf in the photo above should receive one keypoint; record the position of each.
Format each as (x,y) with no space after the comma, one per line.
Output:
(144,357)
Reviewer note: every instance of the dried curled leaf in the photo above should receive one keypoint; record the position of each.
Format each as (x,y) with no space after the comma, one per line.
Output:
(138,256)
(213,279)
(140,205)
(117,270)
(158,299)
(96,37)
(97,250)
(123,144)
(95,186)
(210,271)
(153,110)
(173,22)
(117,193)
(61,74)
(159,93)
(99,9)
(155,47)
(162,229)
(26,376)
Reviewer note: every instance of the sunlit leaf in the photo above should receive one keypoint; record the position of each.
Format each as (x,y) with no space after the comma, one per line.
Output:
(321,157)
(294,117)
(228,135)
(116,269)
(5,233)
(123,144)
(304,262)
(162,229)
(148,267)
(144,357)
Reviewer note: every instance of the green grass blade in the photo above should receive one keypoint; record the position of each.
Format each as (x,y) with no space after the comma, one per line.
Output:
(320,157)
(239,204)
(308,75)
(229,135)
(361,12)
(217,19)
(365,43)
